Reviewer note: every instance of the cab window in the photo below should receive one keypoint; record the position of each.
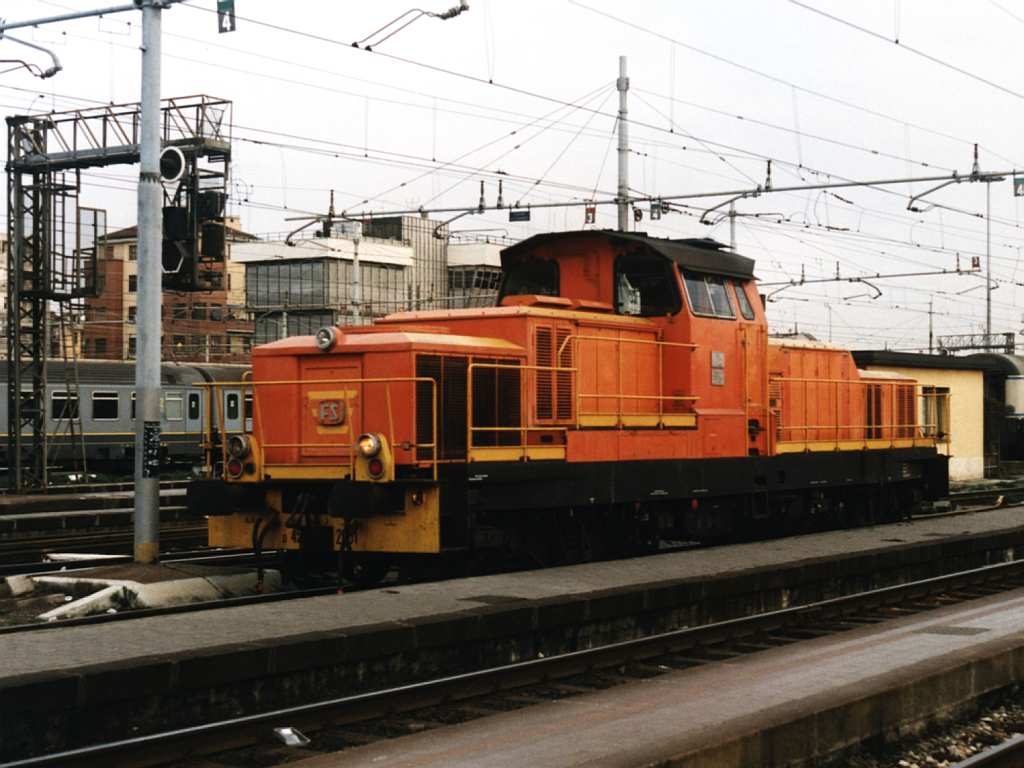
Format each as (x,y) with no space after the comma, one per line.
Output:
(746,310)
(708,296)
(531,277)
(644,286)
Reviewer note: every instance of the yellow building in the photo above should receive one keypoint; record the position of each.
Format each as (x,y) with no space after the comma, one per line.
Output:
(963,380)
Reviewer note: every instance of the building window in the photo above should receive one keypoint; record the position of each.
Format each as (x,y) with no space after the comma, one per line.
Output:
(179,342)
(174,406)
(133,283)
(63,405)
(180,312)
(216,312)
(198,311)
(193,406)
(101,282)
(935,412)
(131,314)
(101,347)
(131,346)
(133,253)
(231,406)
(108,252)
(104,406)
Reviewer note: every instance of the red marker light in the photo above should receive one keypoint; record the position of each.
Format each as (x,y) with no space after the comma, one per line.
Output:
(376,467)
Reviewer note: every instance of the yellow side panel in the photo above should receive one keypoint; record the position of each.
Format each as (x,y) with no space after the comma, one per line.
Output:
(417,530)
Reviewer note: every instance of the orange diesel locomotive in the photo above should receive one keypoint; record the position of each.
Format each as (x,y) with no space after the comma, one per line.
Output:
(623,390)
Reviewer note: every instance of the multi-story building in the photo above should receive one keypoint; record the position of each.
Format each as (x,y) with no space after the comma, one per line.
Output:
(296,289)
(427,284)
(209,326)
(474,271)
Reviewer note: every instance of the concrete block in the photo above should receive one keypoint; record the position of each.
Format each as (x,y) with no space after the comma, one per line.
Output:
(312,651)
(449,629)
(559,611)
(40,692)
(125,680)
(374,641)
(219,666)
(615,603)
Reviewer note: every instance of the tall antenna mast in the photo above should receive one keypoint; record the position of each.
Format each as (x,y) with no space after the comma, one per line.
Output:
(622,86)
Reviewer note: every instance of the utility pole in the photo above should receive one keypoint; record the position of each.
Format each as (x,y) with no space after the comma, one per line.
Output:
(357,284)
(622,86)
(988,262)
(931,335)
(147,362)
(732,227)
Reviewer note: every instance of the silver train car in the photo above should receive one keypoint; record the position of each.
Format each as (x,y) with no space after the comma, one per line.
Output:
(97,399)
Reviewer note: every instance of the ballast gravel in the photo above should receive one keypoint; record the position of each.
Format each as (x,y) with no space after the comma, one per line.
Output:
(946,745)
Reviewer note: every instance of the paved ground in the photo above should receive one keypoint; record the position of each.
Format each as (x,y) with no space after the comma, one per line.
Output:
(687,712)
(72,647)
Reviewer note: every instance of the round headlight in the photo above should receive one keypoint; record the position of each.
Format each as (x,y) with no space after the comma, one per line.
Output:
(325,338)
(368,445)
(239,446)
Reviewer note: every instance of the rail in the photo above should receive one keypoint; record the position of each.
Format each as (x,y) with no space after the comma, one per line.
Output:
(829,415)
(214,439)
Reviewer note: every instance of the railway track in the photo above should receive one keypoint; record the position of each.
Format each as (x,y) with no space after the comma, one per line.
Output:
(16,553)
(1009,754)
(392,712)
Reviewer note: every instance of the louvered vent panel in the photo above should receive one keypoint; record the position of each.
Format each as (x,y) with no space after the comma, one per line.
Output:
(453,423)
(776,405)
(545,355)
(563,402)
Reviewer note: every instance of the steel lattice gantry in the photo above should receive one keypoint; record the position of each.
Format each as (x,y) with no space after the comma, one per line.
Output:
(49,261)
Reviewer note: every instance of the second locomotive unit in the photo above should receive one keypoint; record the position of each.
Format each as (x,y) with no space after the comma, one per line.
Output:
(623,390)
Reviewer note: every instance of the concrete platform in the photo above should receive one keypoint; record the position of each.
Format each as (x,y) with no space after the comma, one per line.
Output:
(773,708)
(70,686)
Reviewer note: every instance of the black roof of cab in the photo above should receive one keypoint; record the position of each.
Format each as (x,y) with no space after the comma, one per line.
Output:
(700,254)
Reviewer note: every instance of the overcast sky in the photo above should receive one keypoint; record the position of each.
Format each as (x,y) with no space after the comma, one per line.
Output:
(418,124)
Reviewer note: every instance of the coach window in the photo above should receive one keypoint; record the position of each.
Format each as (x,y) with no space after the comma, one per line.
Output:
(63,405)
(531,277)
(231,405)
(104,406)
(741,298)
(193,406)
(133,406)
(644,286)
(708,296)
(248,405)
(174,406)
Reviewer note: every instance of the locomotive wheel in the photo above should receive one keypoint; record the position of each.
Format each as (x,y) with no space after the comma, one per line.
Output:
(367,573)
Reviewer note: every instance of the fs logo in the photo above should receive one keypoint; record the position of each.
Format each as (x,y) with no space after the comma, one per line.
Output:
(331,413)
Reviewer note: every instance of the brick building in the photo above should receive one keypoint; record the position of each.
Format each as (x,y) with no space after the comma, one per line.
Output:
(204,326)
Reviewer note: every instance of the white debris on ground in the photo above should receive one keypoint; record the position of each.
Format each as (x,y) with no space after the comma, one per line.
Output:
(948,745)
